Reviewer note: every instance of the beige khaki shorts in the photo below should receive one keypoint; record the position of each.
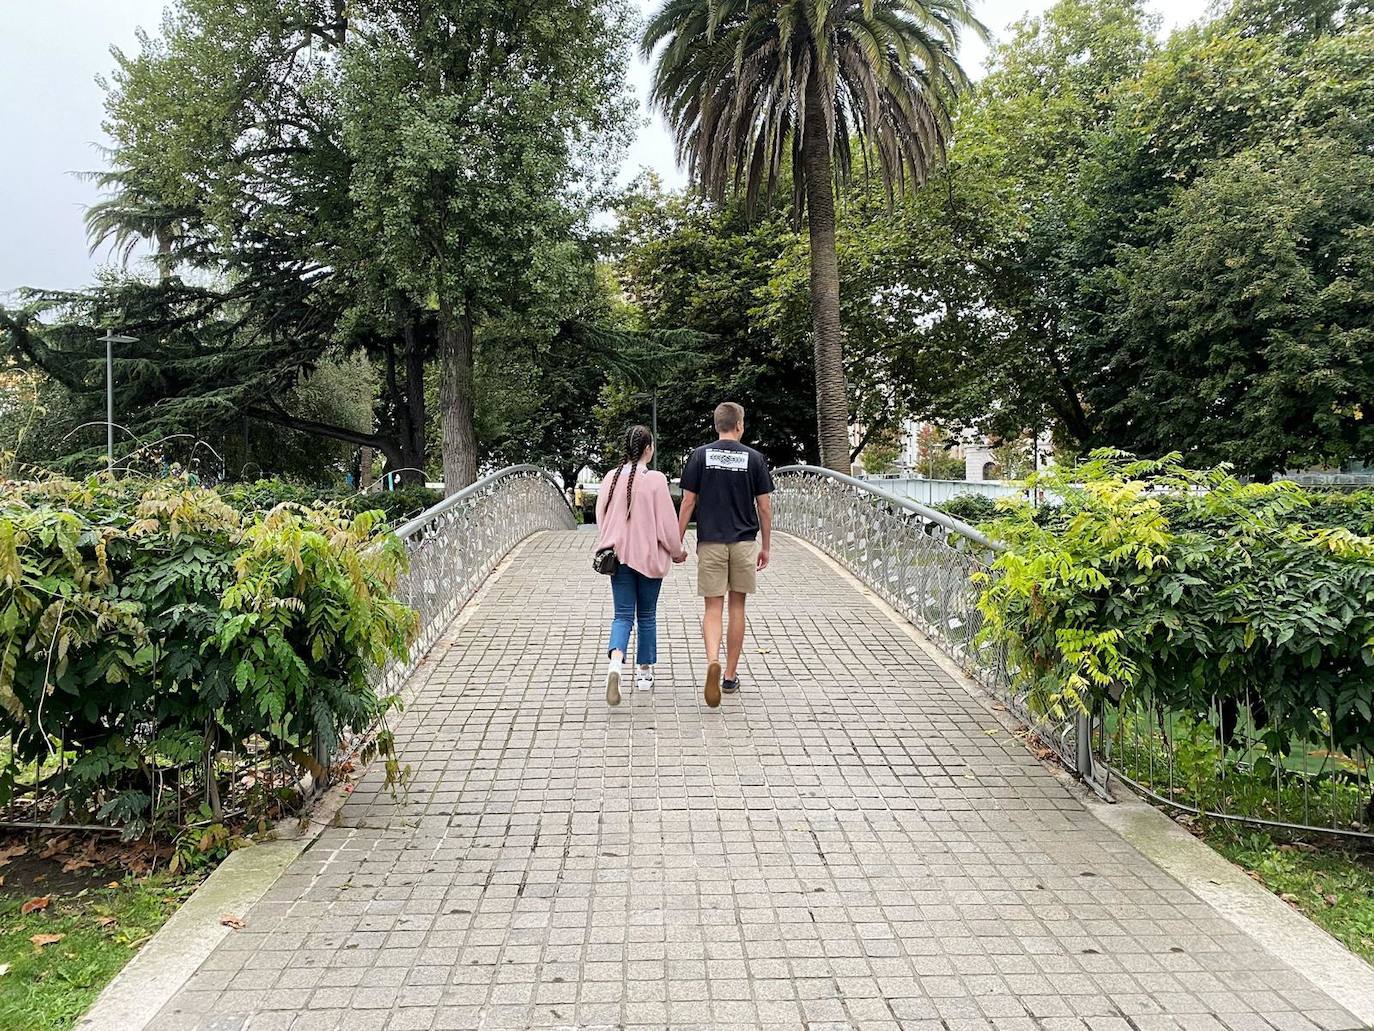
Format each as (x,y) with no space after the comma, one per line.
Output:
(722,568)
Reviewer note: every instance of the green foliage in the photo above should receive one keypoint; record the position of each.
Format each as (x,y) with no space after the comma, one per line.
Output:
(971,508)
(146,625)
(684,265)
(323,180)
(1144,246)
(1193,592)
(396,506)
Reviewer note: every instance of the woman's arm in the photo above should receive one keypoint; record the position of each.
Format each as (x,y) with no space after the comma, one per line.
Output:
(668,537)
(601,499)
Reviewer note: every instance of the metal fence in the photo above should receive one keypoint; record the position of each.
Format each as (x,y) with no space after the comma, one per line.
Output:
(923,563)
(1231,760)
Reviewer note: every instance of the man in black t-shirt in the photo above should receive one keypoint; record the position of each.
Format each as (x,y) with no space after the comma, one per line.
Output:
(728,487)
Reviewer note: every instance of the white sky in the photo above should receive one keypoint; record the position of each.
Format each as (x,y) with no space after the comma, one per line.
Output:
(50,113)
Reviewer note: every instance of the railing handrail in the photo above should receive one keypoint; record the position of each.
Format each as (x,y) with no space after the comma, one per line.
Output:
(934,515)
(413,526)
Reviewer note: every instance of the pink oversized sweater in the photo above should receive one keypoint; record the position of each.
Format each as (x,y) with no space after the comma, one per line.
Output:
(648,540)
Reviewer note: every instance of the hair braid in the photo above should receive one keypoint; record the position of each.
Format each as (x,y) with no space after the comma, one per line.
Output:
(637,441)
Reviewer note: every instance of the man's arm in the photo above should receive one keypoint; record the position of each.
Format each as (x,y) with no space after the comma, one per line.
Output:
(765,505)
(684,516)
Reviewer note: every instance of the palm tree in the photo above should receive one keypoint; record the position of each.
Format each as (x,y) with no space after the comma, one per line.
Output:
(746,83)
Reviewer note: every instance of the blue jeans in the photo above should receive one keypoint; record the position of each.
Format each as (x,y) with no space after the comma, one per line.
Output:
(636,599)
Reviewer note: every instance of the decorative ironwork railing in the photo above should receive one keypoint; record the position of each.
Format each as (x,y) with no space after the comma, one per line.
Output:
(923,563)
(455,545)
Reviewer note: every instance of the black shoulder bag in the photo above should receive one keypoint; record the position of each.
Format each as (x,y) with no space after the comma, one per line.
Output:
(605,561)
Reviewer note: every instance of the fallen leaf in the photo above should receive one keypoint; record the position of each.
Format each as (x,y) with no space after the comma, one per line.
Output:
(1331,900)
(35,905)
(105,921)
(76,863)
(230,920)
(1287,897)
(4,969)
(40,940)
(12,851)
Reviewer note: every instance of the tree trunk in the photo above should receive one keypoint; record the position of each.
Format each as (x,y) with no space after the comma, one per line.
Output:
(832,400)
(456,400)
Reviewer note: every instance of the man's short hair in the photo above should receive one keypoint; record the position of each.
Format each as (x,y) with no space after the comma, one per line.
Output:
(729,417)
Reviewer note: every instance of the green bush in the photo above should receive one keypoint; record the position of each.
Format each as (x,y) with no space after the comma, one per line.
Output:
(147,629)
(396,505)
(1208,596)
(971,508)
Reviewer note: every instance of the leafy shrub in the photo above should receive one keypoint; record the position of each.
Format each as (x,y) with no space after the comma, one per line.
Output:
(971,508)
(263,495)
(147,628)
(1209,596)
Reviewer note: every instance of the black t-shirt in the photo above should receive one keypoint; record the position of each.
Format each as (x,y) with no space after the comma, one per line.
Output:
(726,477)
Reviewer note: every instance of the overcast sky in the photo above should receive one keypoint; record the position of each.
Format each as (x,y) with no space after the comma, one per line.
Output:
(50,112)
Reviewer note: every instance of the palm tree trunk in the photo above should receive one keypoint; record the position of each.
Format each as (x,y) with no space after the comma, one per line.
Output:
(456,400)
(832,400)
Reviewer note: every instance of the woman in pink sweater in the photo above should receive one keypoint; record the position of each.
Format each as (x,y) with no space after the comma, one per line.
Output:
(635,515)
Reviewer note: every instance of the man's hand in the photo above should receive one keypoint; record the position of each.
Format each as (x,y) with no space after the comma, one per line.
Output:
(763,559)
(680,557)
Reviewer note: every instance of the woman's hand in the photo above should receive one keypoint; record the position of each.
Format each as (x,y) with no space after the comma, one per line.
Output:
(680,557)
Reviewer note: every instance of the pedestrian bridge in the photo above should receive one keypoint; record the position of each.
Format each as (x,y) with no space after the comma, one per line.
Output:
(858,840)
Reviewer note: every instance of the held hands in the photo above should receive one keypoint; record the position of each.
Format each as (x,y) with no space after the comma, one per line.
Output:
(763,559)
(680,557)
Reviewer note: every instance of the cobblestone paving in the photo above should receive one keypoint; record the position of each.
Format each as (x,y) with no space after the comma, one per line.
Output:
(851,843)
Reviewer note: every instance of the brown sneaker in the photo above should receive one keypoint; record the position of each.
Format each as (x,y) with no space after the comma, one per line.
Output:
(713,685)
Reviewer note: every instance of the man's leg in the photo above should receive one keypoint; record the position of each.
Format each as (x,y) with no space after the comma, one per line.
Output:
(711,628)
(734,644)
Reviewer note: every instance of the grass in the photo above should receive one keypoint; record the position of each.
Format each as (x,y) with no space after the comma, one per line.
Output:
(1333,884)
(48,987)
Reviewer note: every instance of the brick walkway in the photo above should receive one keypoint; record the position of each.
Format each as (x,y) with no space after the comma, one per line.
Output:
(851,843)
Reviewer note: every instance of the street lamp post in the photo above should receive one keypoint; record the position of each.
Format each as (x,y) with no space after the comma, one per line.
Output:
(652,398)
(110,339)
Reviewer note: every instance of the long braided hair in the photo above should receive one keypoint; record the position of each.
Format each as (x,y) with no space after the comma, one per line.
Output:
(637,441)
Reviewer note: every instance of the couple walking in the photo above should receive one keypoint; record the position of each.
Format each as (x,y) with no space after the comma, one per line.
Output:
(727,487)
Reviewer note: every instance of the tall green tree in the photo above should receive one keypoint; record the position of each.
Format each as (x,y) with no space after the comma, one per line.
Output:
(477,131)
(323,178)
(751,84)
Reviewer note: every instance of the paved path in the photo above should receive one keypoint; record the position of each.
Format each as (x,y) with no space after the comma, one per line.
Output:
(852,843)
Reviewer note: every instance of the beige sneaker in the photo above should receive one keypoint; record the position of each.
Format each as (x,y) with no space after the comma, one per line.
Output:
(713,685)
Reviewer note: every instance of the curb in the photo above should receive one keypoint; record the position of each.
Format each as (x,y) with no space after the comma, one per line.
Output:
(1274,925)
(163,966)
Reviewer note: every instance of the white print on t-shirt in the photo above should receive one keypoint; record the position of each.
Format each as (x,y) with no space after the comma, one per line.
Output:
(734,461)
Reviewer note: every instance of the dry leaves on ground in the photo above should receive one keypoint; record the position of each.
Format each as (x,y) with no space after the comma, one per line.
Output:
(41,940)
(8,852)
(35,905)
(230,920)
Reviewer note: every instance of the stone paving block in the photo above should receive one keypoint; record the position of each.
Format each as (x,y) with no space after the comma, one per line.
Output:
(852,842)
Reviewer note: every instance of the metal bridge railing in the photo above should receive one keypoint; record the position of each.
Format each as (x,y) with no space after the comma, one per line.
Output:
(923,563)
(453,547)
